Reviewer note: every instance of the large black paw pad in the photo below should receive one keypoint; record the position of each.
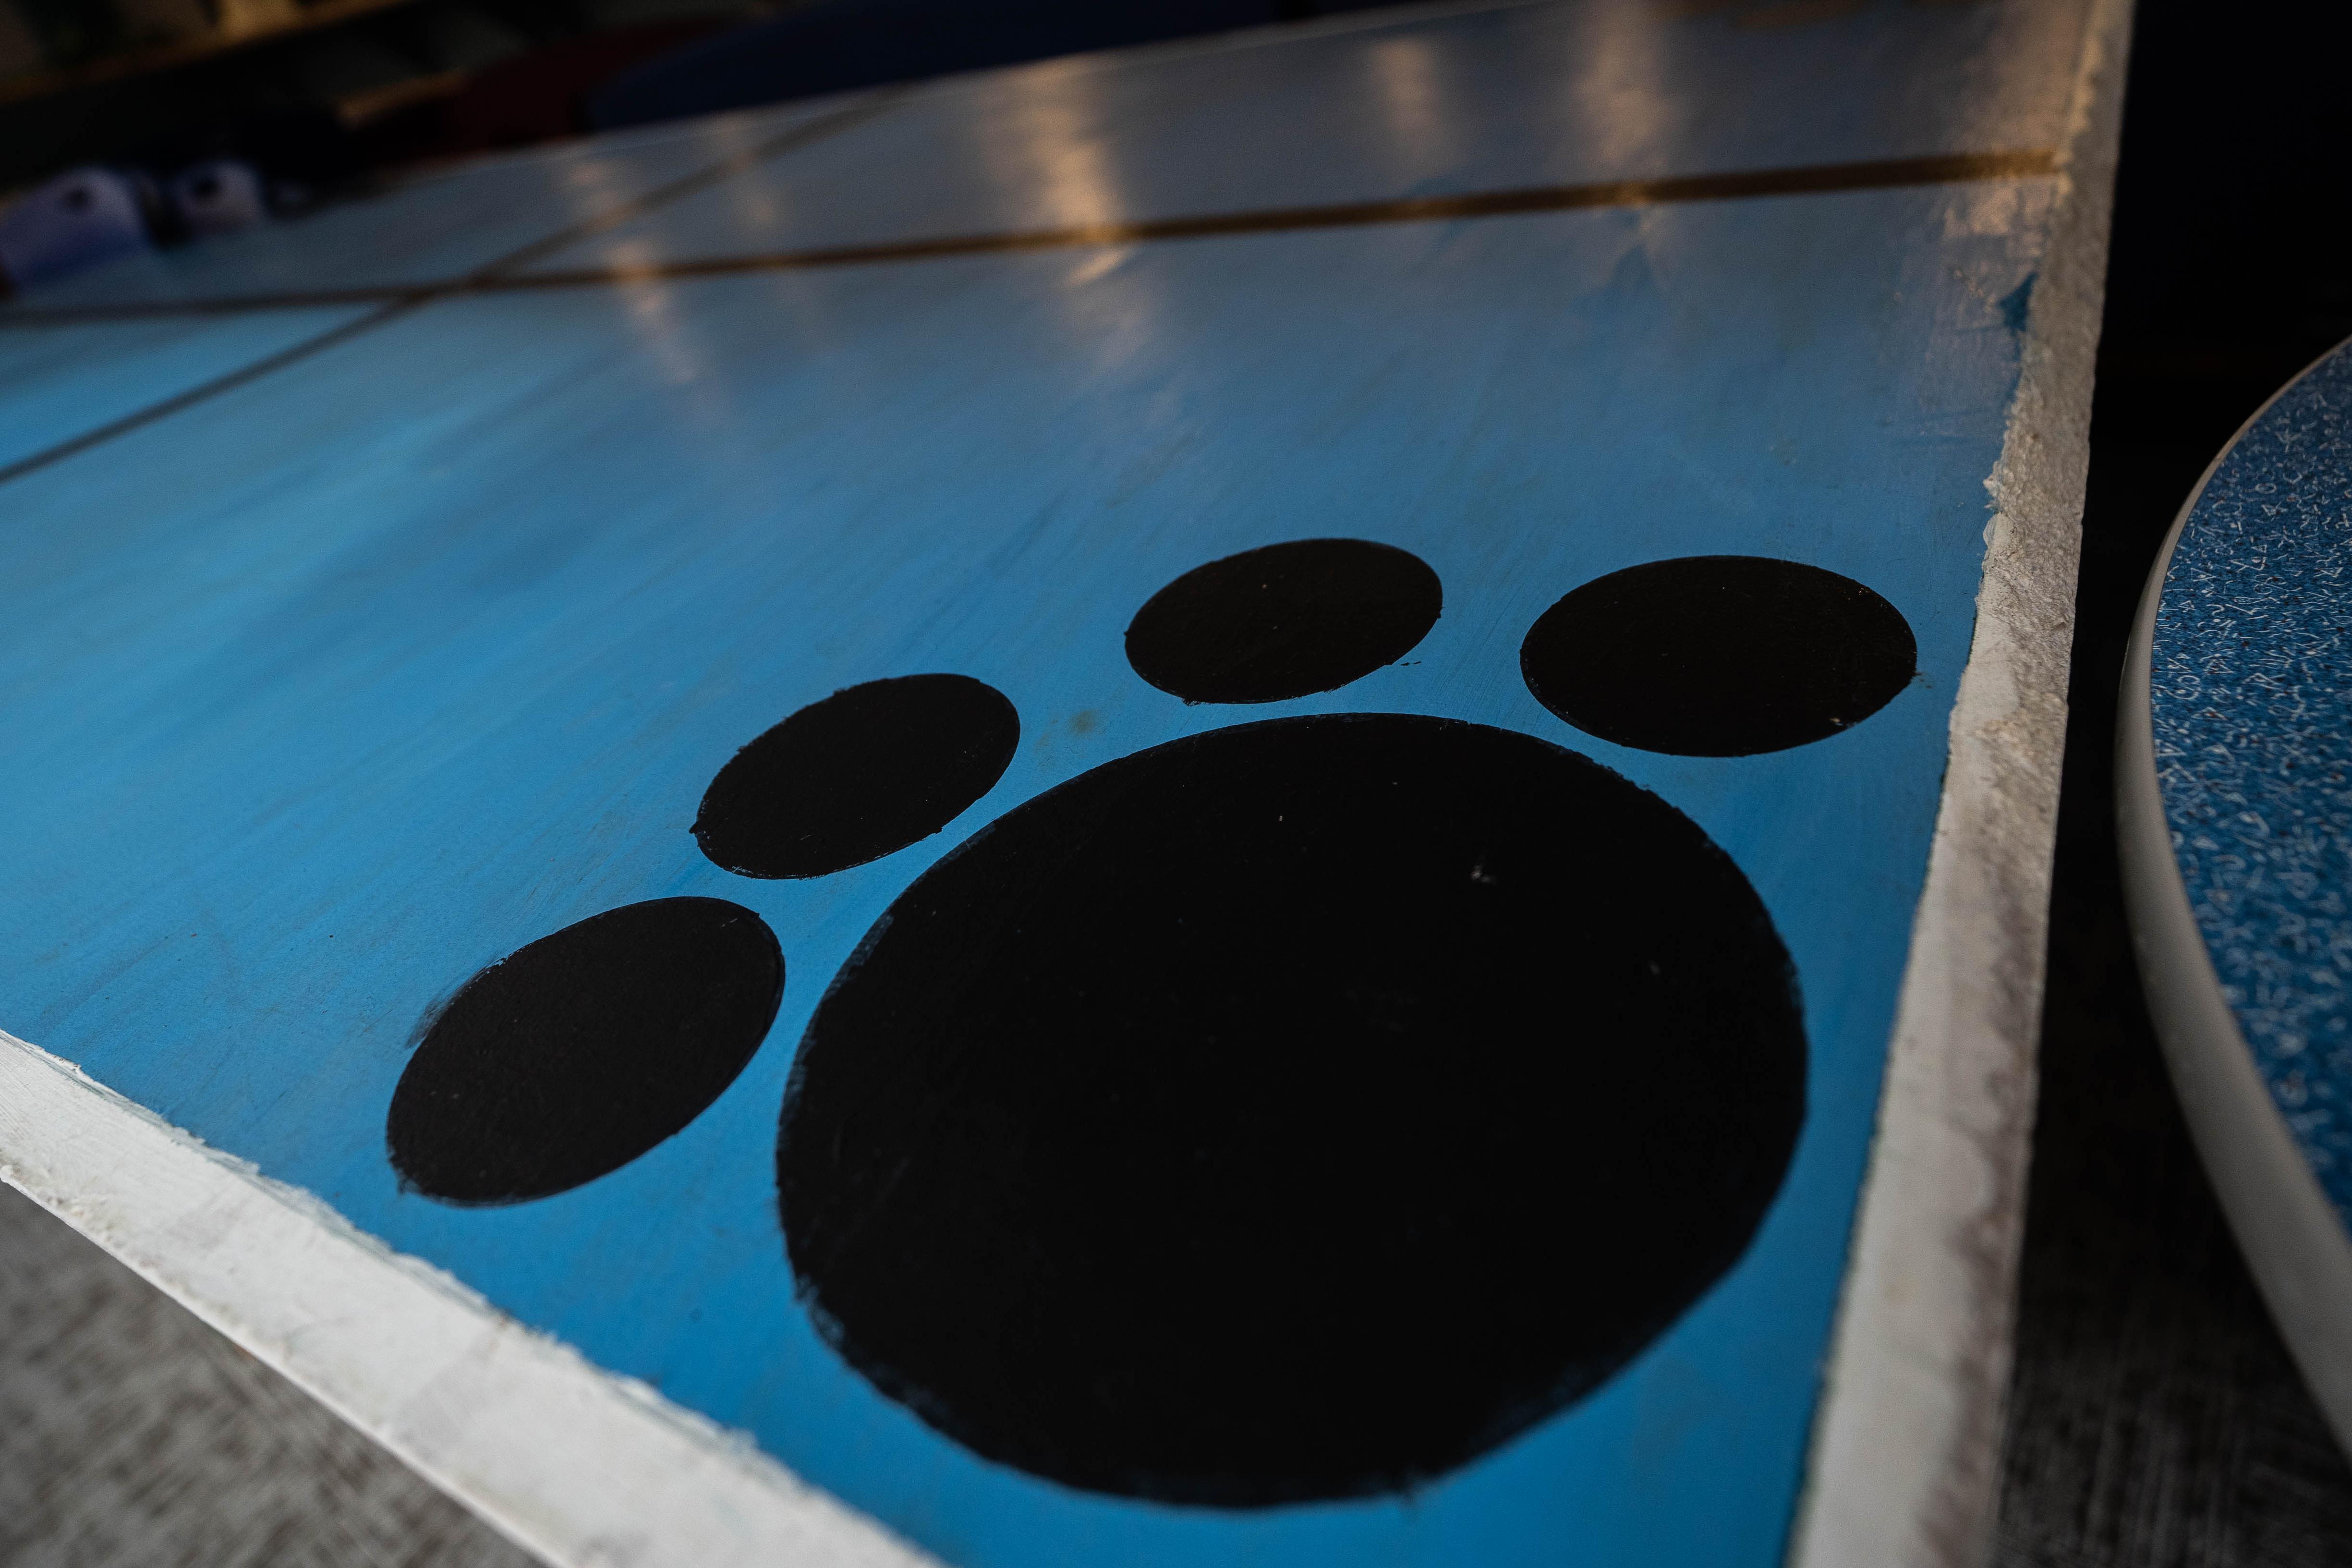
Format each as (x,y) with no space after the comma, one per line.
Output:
(1283,620)
(1292,1111)
(1718,656)
(571,1057)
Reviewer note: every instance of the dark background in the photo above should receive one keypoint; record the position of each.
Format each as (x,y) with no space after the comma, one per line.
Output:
(2155,1420)
(336,91)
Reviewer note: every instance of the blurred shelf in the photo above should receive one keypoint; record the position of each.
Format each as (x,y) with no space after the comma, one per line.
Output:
(167,57)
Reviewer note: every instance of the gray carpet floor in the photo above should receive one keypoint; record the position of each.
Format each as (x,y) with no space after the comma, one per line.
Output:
(132,1435)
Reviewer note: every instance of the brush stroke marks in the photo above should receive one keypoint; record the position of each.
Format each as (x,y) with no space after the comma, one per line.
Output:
(1294,1111)
(572,1056)
(1718,656)
(866,772)
(1285,620)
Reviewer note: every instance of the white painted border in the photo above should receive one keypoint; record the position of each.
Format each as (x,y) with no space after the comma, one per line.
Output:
(2294,1244)
(579,1466)
(1906,1447)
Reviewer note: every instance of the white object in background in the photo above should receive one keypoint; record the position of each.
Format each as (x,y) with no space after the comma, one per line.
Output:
(220,195)
(75,220)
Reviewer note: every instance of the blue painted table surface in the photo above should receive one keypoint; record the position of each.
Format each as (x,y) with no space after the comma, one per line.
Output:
(2252,701)
(61,383)
(327,690)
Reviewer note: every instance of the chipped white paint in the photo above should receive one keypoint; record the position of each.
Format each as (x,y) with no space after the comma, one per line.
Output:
(575,1464)
(1906,1450)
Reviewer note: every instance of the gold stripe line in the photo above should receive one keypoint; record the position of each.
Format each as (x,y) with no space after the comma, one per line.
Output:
(1892,173)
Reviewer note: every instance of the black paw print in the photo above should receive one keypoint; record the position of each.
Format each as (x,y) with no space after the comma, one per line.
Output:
(1294,1111)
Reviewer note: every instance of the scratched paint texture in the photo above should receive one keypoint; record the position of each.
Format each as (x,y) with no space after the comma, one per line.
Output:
(2251,697)
(331,690)
(63,382)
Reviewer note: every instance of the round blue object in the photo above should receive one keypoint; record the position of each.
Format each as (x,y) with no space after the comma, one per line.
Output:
(2235,808)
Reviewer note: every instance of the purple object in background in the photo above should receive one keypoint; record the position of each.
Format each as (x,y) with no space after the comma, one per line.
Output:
(74,221)
(219,196)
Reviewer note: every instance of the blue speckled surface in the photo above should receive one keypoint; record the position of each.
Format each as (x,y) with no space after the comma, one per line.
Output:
(2251,697)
